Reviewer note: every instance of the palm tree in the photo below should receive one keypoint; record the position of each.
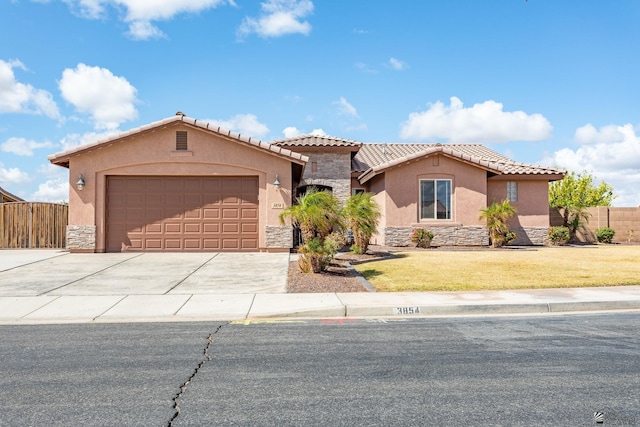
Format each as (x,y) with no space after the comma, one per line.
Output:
(362,213)
(317,213)
(497,216)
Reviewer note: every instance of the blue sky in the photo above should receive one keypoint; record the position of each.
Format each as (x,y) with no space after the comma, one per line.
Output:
(541,81)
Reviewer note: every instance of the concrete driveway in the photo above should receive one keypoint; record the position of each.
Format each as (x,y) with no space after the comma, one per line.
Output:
(59,273)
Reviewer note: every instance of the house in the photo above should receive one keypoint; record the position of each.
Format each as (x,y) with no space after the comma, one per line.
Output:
(6,197)
(180,184)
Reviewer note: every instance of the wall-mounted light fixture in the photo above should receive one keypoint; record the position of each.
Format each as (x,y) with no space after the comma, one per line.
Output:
(80,183)
(276,183)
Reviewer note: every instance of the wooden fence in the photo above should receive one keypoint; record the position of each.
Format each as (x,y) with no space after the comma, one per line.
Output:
(26,225)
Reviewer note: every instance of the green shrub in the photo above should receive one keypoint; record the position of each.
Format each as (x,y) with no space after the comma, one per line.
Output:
(422,237)
(605,234)
(510,236)
(355,249)
(558,235)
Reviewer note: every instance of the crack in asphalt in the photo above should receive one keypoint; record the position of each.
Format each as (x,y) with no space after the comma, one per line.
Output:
(183,387)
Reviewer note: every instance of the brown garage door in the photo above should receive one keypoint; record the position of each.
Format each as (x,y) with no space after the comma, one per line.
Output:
(182,213)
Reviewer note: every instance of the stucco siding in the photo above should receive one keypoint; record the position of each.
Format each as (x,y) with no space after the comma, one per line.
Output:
(154,153)
(402,186)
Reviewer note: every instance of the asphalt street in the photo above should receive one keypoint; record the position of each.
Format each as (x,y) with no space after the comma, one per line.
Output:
(542,370)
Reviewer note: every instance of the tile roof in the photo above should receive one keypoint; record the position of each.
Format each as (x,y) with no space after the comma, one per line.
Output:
(373,159)
(61,158)
(316,141)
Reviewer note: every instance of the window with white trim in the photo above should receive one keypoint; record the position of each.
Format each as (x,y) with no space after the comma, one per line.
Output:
(512,191)
(435,199)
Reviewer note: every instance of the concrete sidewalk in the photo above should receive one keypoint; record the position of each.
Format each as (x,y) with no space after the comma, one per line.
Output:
(181,295)
(202,307)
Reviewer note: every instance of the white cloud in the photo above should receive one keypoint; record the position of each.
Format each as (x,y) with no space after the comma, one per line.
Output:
(144,30)
(22,146)
(345,108)
(96,91)
(291,132)
(396,64)
(279,18)
(73,140)
(140,13)
(12,175)
(16,97)
(55,188)
(52,190)
(245,124)
(611,154)
(486,122)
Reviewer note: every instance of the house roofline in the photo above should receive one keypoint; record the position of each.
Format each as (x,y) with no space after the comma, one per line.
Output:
(494,167)
(62,158)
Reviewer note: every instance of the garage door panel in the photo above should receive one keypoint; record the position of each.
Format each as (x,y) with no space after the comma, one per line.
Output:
(211,244)
(249,243)
(173,244)
(193,228)
(230,213)
(211,213)
(230,244)
(150,243)
(153,228)
(182,213)
(192,244)
(230,228)
(249,213)
(213,228)
(173,228)
(249,228)
(193,214)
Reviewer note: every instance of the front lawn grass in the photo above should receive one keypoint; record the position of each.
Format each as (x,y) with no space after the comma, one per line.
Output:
(534,268)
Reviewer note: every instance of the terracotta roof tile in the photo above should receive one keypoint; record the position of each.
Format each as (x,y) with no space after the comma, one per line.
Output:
(59,158)
(316,141)
(374,158)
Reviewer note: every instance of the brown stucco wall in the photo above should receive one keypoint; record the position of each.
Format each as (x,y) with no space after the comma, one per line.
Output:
(153,153)
(533,200)
(402,191)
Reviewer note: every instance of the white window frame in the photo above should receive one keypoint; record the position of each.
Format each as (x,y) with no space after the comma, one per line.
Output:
(512,191)
(355,191)
(448,203)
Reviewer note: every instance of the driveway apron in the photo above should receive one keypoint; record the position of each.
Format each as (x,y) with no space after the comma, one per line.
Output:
(146,274)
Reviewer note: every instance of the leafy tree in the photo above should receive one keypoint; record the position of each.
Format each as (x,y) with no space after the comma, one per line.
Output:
(362,214)
(497,215)
(317,213)
(576,192)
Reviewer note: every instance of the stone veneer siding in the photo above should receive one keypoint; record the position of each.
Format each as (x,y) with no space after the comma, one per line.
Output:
(334,170)
(530,235)
(279,236)
(81,237)
(463,236)
(444,235)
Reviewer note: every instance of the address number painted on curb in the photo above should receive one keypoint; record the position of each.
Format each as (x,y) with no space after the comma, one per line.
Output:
(406,310)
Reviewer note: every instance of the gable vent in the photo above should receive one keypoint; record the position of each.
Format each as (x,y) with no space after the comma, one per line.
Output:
(181,140)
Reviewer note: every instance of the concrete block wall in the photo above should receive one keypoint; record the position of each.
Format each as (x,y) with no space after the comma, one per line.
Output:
(625,222)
